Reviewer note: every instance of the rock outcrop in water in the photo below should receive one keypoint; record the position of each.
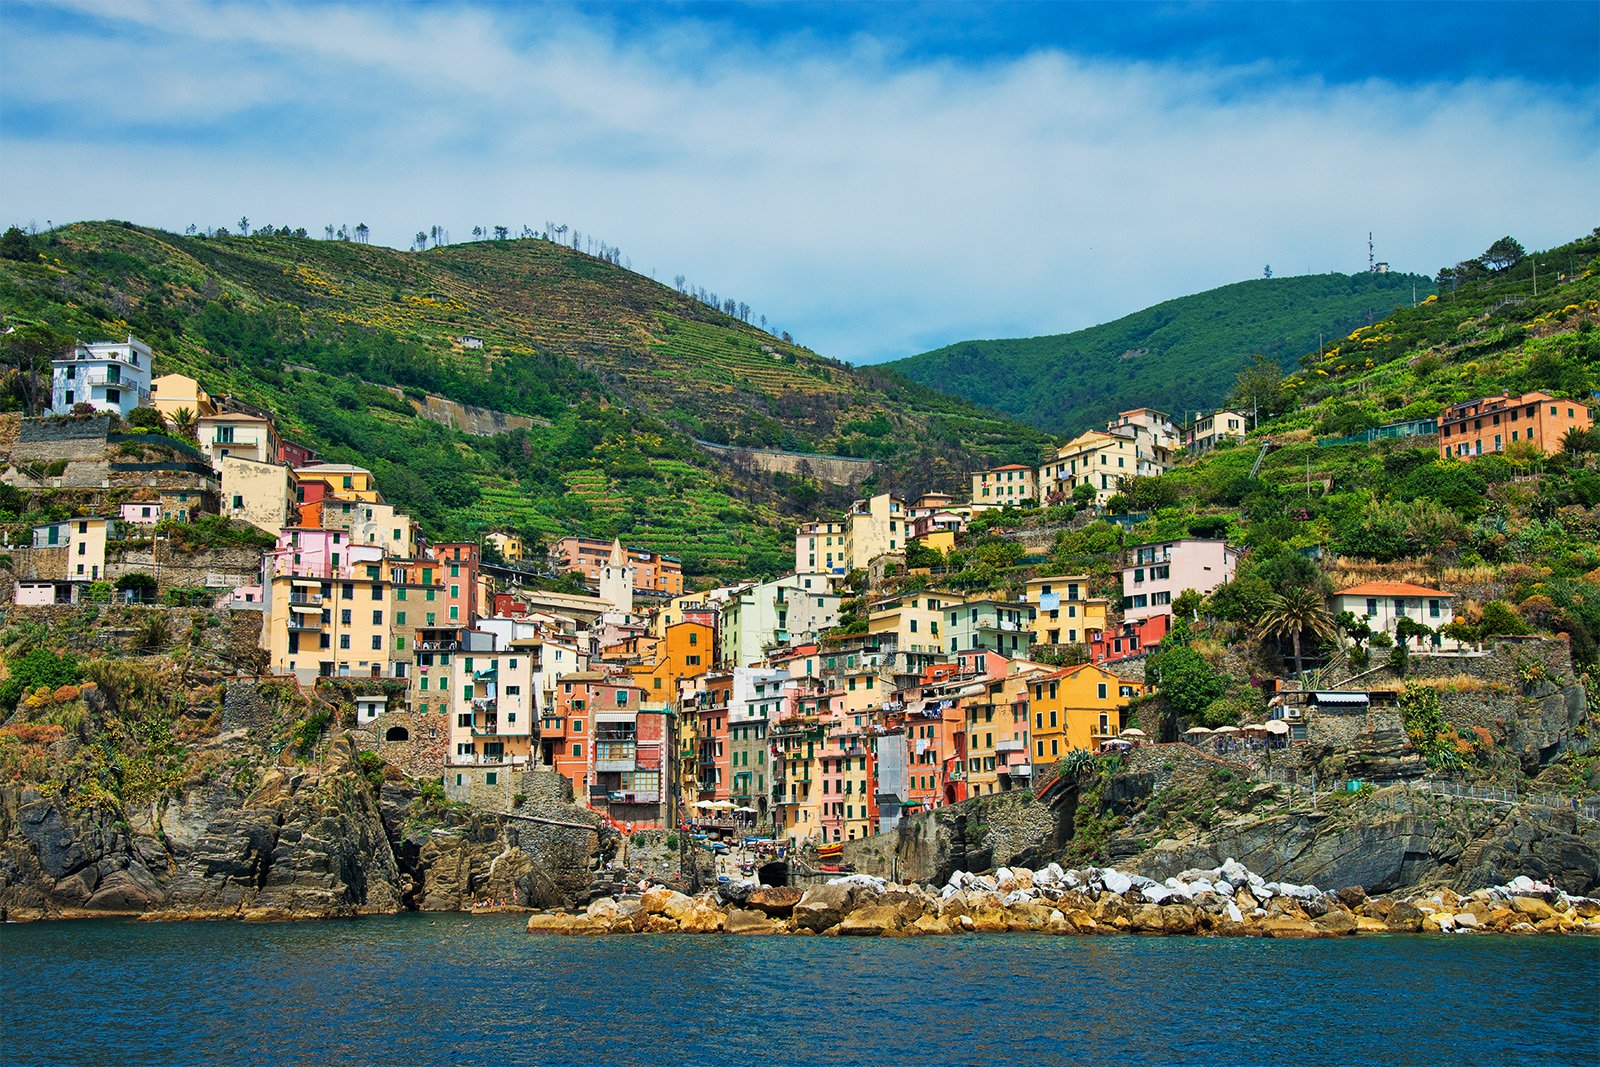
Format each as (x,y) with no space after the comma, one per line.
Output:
(288,841)
(1225,901)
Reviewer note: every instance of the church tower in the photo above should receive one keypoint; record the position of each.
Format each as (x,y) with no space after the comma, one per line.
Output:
(616,579)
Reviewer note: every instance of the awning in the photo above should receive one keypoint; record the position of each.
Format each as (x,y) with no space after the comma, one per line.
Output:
(310,608)
(1340,698)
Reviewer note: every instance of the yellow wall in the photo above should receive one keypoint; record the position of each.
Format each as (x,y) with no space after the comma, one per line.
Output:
(1066,711)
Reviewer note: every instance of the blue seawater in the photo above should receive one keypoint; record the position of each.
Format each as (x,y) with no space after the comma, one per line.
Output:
(453,989)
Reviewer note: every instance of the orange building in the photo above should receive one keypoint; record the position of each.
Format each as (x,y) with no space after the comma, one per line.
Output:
(685,650)
(652,572)
(1495,423)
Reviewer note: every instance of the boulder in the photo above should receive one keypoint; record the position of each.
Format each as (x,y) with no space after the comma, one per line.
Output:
(750,921)
(702,917)
(777,901)
(1337,920)
(926,925)
(1534,908)
(874,920)
(823,906)
(1115,881)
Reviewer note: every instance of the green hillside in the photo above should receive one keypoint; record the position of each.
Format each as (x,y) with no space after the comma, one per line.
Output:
(1515,535)
(620,372)
(1179,355)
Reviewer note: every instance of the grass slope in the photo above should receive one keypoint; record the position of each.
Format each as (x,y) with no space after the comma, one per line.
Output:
(624,371)
(1178,355)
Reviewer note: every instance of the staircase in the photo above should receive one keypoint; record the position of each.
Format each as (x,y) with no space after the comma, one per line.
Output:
(1266,446)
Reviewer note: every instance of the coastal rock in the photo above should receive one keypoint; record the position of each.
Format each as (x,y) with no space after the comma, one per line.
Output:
(823,906)
(702,917)
(750,921)
(777,901)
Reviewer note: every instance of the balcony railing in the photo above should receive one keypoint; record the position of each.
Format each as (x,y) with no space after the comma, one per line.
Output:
(298,625)
(302,600)
(1009,744)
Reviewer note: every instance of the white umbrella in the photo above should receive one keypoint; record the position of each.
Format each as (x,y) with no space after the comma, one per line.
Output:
(722,805)
(747,811)
(705,803)
(1277,726)
(1227,729)
(1133,731)
(1198,730)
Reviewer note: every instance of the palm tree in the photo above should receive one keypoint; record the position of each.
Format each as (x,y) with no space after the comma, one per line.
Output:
(184,421)
(1294,612)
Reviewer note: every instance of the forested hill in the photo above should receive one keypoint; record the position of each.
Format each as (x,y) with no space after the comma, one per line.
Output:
(619,372)
(1179,355)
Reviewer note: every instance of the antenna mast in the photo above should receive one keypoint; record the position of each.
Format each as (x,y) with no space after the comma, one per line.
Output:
(1371,266)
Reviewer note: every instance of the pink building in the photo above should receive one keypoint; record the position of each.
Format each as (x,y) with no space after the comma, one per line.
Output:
(145,513)
(316,553)
(1154,575)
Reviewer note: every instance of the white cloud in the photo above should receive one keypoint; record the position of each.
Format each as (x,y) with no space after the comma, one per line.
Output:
(872,205)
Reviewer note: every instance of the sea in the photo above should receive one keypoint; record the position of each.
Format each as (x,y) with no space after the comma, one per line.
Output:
(427,989)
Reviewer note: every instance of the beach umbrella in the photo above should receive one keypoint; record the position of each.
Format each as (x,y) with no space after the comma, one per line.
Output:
(705,803)
(1227,730)
(1277,726)
(1132,731)
(1195,731)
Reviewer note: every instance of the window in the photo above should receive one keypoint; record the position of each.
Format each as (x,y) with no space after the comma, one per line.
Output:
(1101,691)
(377,618)
(577,750)
(490,778)
(344,640)
(377,641)
(464,720)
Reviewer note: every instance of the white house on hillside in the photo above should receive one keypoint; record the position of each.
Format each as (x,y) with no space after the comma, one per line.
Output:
(112,376)
(1384,604)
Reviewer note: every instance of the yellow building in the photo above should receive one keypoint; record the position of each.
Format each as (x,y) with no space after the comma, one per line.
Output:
(356,625)
(262,494)
(913,618)
(86,553)
(490,705)
(1010,484)
(1079,707)
(393,531)
(1061,611)
(172,393)
(340,481)
(874,527)
(234,433)
(508,545)
(1093,458)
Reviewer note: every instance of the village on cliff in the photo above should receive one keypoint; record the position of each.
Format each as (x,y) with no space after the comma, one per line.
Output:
(793,720)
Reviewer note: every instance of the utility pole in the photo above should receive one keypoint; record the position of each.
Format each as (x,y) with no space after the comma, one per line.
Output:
(1371,267)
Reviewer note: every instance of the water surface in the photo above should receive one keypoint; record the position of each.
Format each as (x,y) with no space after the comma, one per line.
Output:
(454,989)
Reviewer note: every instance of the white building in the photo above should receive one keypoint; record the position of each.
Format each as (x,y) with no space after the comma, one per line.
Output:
(1384,604)
(111,376)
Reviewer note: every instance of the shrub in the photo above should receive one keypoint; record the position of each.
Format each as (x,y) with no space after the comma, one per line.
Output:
(36,668)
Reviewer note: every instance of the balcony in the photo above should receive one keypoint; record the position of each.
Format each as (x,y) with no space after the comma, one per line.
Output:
(1010,744)
(488,728)
(305,600)
(481,705)
(299,625)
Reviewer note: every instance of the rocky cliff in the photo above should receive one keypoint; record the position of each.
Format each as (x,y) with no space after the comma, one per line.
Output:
(253,832)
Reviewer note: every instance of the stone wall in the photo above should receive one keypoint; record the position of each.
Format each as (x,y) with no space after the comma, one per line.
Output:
(836,470)
(985,832)
(421,754)
(540,789)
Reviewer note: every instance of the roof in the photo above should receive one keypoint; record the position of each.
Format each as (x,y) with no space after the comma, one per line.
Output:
(1327,697)
(1390,589)
(1009,467)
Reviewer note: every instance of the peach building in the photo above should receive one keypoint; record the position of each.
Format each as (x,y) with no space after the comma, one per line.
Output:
(1494,423)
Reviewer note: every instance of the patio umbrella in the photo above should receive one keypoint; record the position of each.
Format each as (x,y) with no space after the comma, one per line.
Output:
(1132,731)
(1277,726)
(705,803)
(1196,730)
(1227,730)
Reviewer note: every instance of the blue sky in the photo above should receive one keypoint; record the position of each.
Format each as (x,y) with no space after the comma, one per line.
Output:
(876,178)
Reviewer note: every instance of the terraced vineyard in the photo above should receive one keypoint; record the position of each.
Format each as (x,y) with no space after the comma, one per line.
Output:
(625,370)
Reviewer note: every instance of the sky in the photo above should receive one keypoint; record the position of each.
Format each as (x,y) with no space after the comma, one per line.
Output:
(878,179)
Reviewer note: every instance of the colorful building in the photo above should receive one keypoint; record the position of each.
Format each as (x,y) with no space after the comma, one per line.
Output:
(1154,575)
(112,376)
(1012,483)
(1061,612)
(1094,458)
(1494,423)
(1077,708)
